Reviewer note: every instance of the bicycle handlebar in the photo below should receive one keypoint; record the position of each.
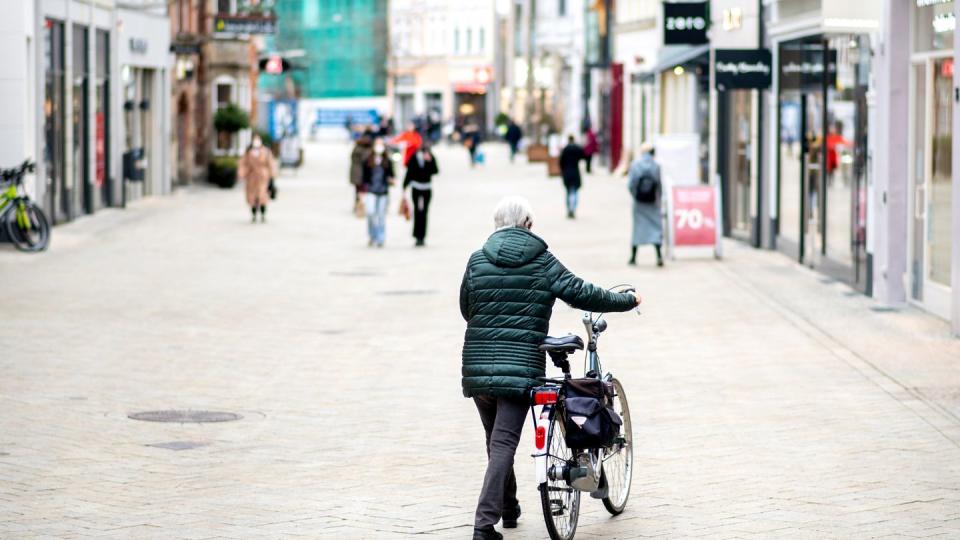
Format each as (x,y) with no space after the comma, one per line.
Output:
(16,173)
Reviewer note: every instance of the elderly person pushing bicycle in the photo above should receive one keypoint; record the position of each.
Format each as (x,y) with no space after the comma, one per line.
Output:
(507,296)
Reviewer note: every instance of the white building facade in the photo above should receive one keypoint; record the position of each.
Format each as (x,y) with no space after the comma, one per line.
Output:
(441,61)
(65,106)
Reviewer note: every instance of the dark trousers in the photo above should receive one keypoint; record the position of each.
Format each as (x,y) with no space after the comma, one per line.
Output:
(589,160)
(503,423)
(421,203)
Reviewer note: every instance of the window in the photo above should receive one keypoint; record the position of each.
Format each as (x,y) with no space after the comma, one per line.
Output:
(469,40)
(102,119)
(225,6)
(224,93)
(481,38)
(456,40)
(562,8)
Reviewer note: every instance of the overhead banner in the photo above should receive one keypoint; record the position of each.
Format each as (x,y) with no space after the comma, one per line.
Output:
(685,23)
(743,69)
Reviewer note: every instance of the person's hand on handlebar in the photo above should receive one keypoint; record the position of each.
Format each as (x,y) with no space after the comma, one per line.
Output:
(636,297)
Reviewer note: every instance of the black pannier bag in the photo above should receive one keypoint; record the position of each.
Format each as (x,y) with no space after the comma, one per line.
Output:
(590,420)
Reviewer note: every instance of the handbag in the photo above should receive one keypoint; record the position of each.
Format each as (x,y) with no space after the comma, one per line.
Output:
(590,421)
(405,208)
(359,209)
(272,189)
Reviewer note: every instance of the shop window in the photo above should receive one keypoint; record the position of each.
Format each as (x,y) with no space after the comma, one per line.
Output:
(101,119)
(933,26)
(81,132)
(54,119)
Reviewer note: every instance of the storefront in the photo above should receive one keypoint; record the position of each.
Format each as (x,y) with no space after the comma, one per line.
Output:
(145,60)
(821,153)
(74,113)
(931,184)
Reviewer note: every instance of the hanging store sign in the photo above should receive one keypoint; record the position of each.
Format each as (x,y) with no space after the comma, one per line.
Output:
(244,24)
(685,23)
(803,68)
(742,68)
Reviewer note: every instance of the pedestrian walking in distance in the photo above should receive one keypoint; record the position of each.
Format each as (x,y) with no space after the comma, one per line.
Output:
(513,136)
(377,179)
(647,191)
(420,171)
(590,147)
(411,141)
(256,168)
(362,149)
(471,139)
(506,297)
(570,158)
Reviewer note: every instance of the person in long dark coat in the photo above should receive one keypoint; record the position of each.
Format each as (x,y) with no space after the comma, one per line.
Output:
(420,171)
(570,158)
(513,136)
(647,224)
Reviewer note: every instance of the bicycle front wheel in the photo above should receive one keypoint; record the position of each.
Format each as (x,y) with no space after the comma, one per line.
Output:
(27,227)
(618,460)
(560,502)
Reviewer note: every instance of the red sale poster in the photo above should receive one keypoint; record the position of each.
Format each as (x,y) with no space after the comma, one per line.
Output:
(694,216)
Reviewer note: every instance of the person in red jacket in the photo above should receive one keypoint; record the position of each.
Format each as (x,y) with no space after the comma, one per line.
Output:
(590,146)
(411,140)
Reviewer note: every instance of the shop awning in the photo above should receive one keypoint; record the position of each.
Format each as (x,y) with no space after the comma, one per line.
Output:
(671,57)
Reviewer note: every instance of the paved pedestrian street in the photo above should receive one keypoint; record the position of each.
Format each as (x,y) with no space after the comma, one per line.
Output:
(767,401)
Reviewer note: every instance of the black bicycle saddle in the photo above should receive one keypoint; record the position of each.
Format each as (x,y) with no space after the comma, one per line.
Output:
(565,344)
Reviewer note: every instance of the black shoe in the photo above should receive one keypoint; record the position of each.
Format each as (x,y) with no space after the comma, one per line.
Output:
(510,518)
(659,262)
(632,262)
(419,243)
(486,533)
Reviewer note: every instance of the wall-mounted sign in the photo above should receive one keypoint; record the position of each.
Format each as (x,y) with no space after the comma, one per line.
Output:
(138,45)
(732,18)
(244,24)
(802,67)
(742,68)
(685,23)
(185,48)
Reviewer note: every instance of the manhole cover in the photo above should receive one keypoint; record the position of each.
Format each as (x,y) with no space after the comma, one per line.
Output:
(411,292)
(177,445)
(185,417)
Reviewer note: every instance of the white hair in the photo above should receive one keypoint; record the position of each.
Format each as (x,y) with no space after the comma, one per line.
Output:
(513,211)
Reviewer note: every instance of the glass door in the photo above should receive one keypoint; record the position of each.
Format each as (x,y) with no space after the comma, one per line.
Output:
(931,190)
(813,149)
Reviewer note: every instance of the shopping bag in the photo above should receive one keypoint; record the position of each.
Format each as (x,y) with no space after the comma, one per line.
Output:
(359,209)
(405,208)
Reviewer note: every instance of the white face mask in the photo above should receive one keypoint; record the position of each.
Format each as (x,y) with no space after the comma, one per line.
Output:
(257,143)
(378,148)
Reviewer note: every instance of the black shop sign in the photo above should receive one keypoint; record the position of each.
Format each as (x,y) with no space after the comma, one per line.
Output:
(742,68)
(803,68)
(685,23)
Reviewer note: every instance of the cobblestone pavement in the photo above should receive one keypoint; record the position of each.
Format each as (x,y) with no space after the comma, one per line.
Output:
(766,401)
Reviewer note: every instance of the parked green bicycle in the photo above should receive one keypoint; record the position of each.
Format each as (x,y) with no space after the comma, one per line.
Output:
(24,222)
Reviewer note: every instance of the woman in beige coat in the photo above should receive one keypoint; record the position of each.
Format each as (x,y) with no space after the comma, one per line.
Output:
(256,168)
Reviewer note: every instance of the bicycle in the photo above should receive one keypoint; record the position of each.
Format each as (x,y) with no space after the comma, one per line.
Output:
(563,473)
(25,223)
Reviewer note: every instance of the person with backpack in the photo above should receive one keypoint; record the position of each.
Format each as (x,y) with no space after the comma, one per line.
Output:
(645,187)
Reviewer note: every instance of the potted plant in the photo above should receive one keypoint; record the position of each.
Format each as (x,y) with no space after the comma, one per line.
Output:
(227,121)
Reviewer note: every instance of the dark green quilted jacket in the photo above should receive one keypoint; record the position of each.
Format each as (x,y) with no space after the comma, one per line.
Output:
(506,298)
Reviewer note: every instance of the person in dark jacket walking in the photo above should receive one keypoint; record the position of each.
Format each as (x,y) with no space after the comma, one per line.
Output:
(420,171)
(358,159)
(506,297)
(377,179)
(513,136)
(570,158)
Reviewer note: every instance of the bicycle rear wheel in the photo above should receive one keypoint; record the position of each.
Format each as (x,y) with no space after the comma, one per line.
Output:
(560,502)
(618,461)
(27,227)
